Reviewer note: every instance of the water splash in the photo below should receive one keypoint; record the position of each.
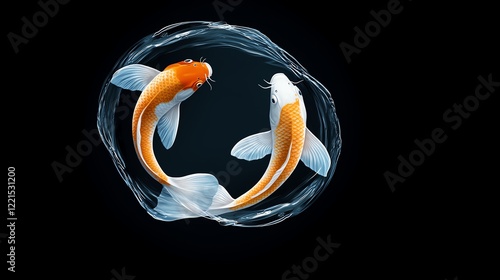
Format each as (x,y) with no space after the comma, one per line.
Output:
(187,39)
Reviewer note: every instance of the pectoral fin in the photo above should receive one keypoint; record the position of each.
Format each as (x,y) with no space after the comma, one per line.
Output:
(254,146)
(167,126)
(134,76)
(314,155)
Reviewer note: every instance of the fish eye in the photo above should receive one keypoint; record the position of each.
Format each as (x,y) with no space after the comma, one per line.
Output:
(274,99)
(188,60)
(300,92)
(199,84)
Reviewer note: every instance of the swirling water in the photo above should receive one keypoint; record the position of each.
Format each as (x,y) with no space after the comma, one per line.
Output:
(219,115)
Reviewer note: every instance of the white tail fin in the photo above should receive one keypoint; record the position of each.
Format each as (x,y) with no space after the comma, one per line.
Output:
(191,196)
(195,192)
(222,202)
(169,209)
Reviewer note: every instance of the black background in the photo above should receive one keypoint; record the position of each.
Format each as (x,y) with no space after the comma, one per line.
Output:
(437,224)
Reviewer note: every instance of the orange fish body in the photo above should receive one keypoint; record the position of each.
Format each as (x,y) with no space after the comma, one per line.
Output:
(158,108)
(289,135)
(163,95)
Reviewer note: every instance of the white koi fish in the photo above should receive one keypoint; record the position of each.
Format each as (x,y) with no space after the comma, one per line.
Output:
(289,141)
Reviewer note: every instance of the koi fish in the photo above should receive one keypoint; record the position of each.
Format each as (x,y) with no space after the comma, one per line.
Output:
(158,108)
(288,142)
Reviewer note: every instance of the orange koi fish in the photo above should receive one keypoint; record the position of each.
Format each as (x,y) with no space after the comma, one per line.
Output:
(158,108)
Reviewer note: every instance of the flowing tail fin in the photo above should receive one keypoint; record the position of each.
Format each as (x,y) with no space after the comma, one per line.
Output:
(189,197)
(221,203)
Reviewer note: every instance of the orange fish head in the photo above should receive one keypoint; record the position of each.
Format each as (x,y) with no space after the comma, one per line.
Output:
(192,74)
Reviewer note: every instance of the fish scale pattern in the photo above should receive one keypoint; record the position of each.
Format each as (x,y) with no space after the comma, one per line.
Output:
(289,138)
(161,89)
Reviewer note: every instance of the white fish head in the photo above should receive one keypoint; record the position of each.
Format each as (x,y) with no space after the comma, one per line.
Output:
(283,92)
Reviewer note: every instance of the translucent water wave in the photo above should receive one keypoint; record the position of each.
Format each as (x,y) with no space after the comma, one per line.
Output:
(216,41)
